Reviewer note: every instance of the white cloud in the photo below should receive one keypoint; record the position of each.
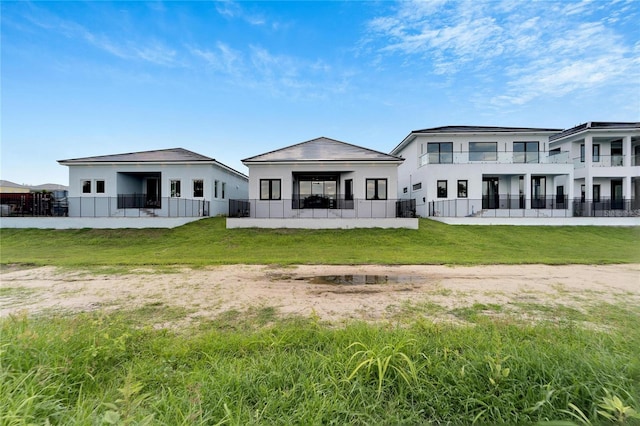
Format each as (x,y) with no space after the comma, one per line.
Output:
(534,49)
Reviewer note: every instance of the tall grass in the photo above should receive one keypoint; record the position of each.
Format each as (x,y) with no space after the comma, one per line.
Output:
(208,242)
(100,368)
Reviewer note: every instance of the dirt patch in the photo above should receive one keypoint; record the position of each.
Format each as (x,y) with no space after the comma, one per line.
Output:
(208,292)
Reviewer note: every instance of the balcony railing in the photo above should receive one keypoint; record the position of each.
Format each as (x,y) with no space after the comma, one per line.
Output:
(495,157)
(602,161)
(299,208)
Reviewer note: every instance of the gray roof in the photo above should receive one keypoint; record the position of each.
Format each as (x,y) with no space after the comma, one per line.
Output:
(470,130)
(322,149)
(173,155)
(160,155)
(485,129)
(597,125)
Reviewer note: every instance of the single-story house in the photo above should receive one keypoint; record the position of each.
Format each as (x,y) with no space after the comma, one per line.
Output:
(167,183)
(322,183)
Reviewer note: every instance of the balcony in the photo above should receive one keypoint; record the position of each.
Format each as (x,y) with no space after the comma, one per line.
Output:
(604,161)
(493,157)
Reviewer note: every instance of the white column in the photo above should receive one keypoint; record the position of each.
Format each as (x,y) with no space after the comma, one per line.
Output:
(527,191)
(626,151)
(588,161)
(626,188)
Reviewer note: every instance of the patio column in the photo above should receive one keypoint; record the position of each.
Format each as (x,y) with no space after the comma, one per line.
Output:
(626,188)
(527,191)
(626,151)
(588,158)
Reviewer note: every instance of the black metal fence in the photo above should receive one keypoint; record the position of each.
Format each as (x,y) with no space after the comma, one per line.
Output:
(322,208)
(515,206)
(121,206)
(607,207)
(33,204)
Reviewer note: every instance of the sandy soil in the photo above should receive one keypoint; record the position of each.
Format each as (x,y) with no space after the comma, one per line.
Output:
(293,290)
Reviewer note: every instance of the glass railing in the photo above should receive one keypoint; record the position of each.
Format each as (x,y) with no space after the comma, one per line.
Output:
(500,157)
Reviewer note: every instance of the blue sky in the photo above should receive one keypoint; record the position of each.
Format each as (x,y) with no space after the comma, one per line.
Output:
(235,79)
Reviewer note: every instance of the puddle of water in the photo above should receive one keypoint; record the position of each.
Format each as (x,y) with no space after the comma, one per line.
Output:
(362,279)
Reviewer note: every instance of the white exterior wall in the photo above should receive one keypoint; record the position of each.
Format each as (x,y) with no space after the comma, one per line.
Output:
(358,171)
(590,173)
(116,183)
(410,172)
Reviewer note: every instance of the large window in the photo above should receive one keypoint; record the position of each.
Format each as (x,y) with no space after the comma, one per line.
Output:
(442,189)
(462,188)
(376,189)
(175,188)
(595,153)
(198,188)
(86,187)
(483,151)
(215,189)
(99,187)
(270,189)
(525,152)
(417,186)
(440,152)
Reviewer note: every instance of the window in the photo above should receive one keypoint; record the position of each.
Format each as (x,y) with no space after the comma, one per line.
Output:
(582,193)
(86,187)
(215,189)
(462,189)
(442,189)
(595,153)
(596,193)
(483,151)
(270,189)
(440,152)
(525,152)
(405,190)
(348,189)
(100,187)
(417,186)
(376,189)
(198,188)
(224,187)
(175,188)
(616,154)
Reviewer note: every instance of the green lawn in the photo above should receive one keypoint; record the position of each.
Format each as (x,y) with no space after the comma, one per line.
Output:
(256,368)
(208,242)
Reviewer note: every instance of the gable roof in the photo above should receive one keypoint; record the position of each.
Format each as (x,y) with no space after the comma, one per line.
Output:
(321,149)
(470,130)
(597,125)
(160,155)
(172,155)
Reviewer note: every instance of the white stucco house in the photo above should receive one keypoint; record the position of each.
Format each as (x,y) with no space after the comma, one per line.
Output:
(485,171)
(166,183)
(323,183)
(606,161)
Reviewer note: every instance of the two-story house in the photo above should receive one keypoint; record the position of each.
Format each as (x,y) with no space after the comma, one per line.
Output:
(493,171)
(606,160)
